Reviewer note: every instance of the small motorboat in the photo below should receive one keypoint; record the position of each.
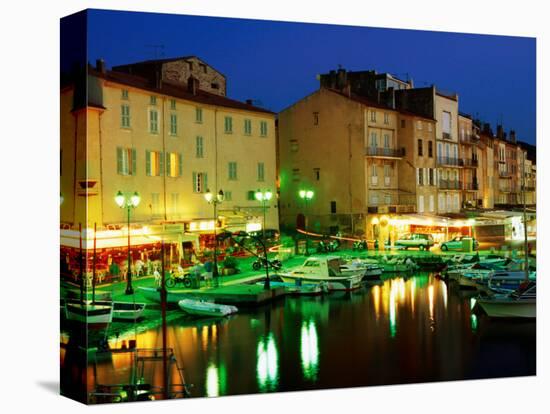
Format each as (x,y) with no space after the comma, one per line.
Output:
(522,303)
(128,311)
(204,308)
(89,313)
(371,271)
(298,289)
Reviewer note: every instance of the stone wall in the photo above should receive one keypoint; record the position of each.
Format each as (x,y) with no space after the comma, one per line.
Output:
(210,80)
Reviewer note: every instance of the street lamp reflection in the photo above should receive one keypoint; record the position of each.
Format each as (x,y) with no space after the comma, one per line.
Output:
(309,350)
(267,368)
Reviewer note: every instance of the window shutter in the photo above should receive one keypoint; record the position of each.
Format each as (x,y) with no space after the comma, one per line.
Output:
(119,160)
(417,176)
(161,163)
(180,165)
(134,162)
(148,162)
(205,181)
(194,182)
(168,164)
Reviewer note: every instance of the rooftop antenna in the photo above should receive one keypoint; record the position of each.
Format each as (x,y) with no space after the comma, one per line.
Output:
(158,50)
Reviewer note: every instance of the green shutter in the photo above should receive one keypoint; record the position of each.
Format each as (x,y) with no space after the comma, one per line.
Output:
(119,160)
(194,182)
(205,182)
(168,164)
(161,163)
(180,165)
(148,162)
(134,162)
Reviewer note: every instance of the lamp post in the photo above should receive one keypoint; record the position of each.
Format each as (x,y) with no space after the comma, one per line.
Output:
(263,197)
(128,203)
(306,195)
(209,197)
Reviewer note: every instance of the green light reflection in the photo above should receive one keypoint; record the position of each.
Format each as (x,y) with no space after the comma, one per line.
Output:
(473,322)
(392,309)
(212,381)
(267,367)
(309,350)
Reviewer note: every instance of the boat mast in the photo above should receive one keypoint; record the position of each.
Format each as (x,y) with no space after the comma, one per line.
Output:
(525,243)
(94,265)
(163,295)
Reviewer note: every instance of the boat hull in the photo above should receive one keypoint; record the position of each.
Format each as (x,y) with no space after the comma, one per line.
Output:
(497,308)
(333,283)
(197,308)
(92,315)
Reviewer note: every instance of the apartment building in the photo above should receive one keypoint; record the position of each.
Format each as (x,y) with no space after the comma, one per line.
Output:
(472,186)
(170,142)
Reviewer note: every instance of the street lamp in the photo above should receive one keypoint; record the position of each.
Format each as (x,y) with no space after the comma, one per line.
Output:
(210,199)
(263,197)
(128,203)
(306,195)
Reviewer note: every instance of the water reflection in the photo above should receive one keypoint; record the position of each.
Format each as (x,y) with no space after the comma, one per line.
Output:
(309,350)
(392,309)
(267,368)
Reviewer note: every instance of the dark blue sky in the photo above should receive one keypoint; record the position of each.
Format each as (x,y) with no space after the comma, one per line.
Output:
(277,62)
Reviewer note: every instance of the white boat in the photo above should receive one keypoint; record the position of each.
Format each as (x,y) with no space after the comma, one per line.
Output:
(88,313)
(298,289)
(370,271)
(506,281)
(128,311)
(520,304)
(398,264)
(324,270)
(203,308)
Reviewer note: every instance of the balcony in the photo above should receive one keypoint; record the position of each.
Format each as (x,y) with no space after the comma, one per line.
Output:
(392,203)
(469,139)
(470,162)
(449,185)
(87,188)
(447,136)
(449,161)
(385,152)
(472,186)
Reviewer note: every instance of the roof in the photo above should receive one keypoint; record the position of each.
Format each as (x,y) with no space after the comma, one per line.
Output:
(176,90)
(165,60)
(368,102)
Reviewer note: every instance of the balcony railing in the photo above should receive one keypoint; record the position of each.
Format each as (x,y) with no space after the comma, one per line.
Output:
(470,162)
(530,188)
(449,185)
(469,139)
(385,152)
(446,135)
(455,162)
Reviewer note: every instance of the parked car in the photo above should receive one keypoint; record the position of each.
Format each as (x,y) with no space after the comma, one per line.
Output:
(271,235)
(422,241)
(456,243)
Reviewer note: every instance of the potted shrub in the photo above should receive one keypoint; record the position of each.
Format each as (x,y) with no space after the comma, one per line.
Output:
(229,265)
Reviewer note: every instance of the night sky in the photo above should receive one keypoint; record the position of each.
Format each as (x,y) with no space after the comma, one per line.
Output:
(276,63)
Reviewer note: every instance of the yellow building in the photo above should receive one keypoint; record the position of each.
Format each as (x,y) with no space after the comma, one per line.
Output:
(168,142)
(472,186)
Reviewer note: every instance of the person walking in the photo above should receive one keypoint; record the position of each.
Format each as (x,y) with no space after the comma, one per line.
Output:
(208,270)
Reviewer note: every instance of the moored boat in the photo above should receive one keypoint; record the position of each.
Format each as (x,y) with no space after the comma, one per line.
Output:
(88,313)
(522,303)
(324,270)
(298,289)
(203,308)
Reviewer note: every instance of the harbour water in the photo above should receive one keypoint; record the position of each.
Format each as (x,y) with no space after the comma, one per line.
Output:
(402,330)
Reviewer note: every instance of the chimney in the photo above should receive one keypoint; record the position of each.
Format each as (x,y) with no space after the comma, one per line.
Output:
(487,129)
(512,136)
(341,79)
(500,132)
(100,65)
(192,85)
(249,101)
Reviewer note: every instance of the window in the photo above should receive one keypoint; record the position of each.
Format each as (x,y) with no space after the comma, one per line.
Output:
(175,201)
(403,123)
(374,199)
(228,196)
(373,116)
(387,199)
(431,203)
(173,164)
(263,128)
(232,170)
(153,121)
(386,118)
(446,124)
(124,94)
(199,147)
(228,125)
(386,141)
(431,175)
(154,163)
(387,175)
(125,116)
(333,207)
(420,176)
(198,115)
(430,127)
(317,174)
(247,127)
(261,171)
(173,124)
(155,204)
(420,203)
(293,145)
(190,65)
(419,125)
(126,161)
(430,148)
(420,148)
(172,104)
(373,140)
(215,85)
(295,174)
(203,67)
(200,182)
(251,195)
(153,100)
(315,118)
(374,175)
